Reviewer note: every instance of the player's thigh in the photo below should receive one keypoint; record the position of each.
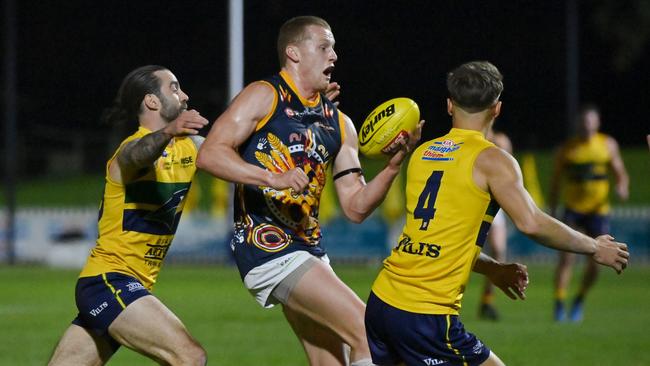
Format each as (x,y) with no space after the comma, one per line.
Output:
(80,347)
(322,345)
(148,326)
(323,297)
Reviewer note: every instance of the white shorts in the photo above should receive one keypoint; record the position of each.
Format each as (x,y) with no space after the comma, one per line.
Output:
(262,280)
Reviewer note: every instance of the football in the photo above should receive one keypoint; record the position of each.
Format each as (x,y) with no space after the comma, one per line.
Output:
(387,125)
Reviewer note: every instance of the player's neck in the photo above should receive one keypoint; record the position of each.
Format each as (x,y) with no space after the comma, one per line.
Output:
(474,124)
(300,85)
(152,123)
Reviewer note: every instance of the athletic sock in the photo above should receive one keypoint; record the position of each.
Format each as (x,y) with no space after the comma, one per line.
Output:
(487,298)
(363,362)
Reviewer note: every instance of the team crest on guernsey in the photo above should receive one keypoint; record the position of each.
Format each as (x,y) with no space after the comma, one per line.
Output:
(440,149)
(166,214)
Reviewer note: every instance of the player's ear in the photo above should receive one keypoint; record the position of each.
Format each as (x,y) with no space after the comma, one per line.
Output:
(450,107)
(497,109)
(292,53)
(151,102)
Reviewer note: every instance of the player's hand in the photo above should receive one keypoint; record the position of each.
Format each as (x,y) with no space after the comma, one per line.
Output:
(403,147)
(296,179)
(187,123)
(611,253)
(332,92)
(512,279)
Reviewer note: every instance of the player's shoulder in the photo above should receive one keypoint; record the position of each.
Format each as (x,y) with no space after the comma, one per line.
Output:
(492,157)
(197,140)
(258,94)
(260,87)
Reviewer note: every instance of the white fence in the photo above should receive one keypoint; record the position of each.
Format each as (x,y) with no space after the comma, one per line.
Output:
(63,237)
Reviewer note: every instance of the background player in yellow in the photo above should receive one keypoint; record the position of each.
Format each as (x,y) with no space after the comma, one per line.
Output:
(497,238)
(455,184)
(147,181)
(277,141)
(582,167)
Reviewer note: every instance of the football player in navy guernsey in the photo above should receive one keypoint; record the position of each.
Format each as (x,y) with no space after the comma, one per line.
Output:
(276,142)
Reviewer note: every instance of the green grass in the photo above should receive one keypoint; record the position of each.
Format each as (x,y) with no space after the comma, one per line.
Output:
(37,304)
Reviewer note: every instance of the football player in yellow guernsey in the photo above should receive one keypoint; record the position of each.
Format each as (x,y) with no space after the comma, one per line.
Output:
(583,164)
(455,184)
(147,180)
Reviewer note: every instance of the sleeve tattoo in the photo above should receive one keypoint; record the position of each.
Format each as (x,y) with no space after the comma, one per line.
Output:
(141,153)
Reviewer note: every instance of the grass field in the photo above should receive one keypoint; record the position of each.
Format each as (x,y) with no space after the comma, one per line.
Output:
(36,305)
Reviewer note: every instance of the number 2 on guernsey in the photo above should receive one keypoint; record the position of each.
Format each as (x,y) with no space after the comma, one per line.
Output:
(428,198)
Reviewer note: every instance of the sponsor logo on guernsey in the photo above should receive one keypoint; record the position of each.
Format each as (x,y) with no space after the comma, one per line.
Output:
(97,310)
(324,126)
(439,150)
(293,114)
(433,361)
(478,347)
(187,161)
(134,286)
(406,245)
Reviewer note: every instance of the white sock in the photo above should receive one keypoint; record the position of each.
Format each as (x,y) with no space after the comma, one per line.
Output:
(363,362)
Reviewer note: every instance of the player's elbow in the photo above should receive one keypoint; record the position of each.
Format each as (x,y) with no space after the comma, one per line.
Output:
(203,160)
(529,226)
(355,216)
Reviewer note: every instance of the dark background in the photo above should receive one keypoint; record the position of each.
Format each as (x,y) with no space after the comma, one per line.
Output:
(72,55)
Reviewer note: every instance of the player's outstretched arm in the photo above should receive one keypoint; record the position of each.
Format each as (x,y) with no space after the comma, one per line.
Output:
(620,173)
(511,278)
(141,153)
(358,199)
(497,172)
(219,156)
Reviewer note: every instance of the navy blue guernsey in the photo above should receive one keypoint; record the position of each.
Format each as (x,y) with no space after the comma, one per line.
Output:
(296,133)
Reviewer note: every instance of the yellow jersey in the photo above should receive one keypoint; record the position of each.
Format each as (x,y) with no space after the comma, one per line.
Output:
(586,164)
(138,220)
(447,220)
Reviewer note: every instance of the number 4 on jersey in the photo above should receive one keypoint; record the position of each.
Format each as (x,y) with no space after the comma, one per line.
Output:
(425,208)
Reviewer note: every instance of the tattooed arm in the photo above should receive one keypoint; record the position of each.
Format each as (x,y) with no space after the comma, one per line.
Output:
(138,155)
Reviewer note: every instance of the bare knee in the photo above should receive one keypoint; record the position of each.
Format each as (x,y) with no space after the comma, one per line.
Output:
(194,355)
(357,339)
(190,354)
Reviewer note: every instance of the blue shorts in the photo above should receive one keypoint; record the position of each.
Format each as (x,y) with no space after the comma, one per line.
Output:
(100,299)
(396,336)
(592,224)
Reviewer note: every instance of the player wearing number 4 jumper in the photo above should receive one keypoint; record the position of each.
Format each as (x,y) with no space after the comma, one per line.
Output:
(455,184)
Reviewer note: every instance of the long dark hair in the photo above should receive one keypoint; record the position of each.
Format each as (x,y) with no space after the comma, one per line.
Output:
(128,101)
